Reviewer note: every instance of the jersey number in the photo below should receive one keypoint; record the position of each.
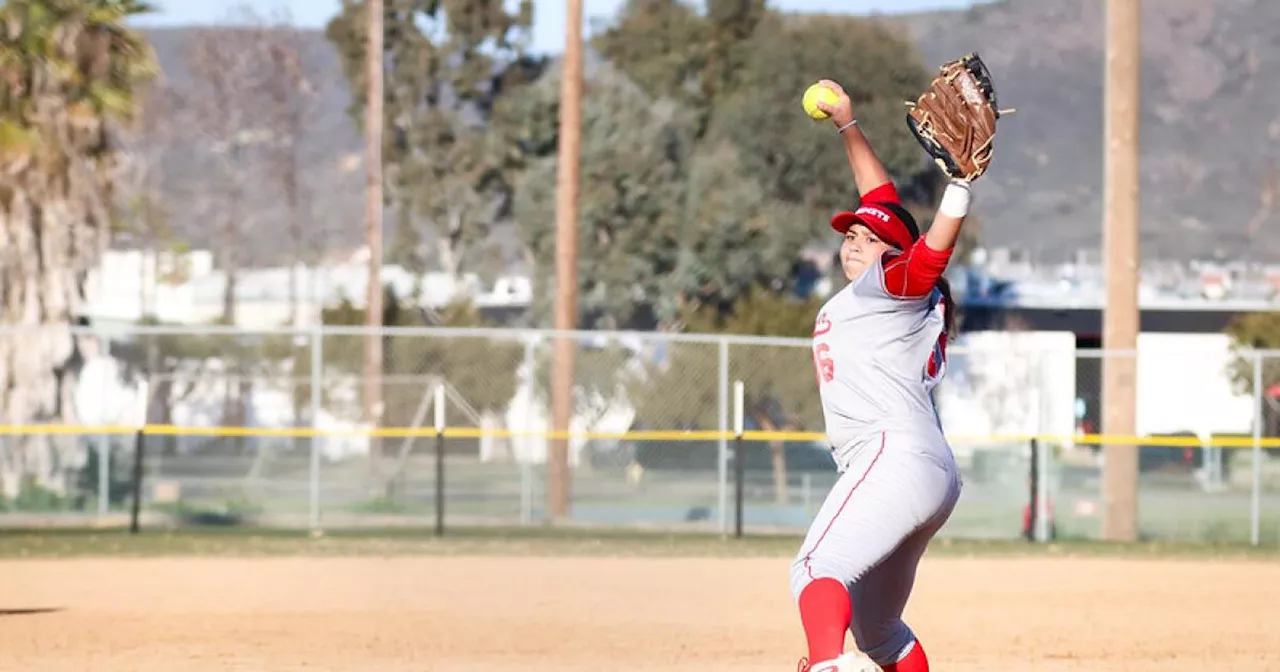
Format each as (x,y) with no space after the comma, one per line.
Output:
(826,368)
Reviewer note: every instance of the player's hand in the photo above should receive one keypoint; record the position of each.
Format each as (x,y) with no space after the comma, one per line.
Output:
(842,111)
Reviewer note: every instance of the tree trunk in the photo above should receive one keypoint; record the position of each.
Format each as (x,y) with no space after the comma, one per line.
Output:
(780,490)
(295,238)
(449,247)
(295,229)
(43,259)
(373,230)
(779,458)
(230,266)
(56,168)
(142,285)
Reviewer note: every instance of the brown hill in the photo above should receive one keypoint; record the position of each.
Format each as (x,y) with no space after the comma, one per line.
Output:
(1210,130)
(1210,134)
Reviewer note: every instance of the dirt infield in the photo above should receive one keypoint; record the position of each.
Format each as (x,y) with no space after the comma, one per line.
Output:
(594,613)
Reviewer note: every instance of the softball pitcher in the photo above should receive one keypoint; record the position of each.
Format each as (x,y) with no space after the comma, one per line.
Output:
(879,348)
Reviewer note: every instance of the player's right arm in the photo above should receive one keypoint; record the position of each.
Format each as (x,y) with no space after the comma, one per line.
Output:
(868,172)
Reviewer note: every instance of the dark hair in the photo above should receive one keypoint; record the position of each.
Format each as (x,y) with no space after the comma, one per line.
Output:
(948,307)
(904,215)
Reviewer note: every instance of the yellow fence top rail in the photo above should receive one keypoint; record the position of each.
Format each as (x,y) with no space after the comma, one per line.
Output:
(638,435)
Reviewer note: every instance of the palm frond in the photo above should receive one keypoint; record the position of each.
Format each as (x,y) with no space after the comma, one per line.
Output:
(17,145)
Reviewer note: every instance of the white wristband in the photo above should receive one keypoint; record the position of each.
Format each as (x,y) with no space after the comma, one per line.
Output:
(955,200)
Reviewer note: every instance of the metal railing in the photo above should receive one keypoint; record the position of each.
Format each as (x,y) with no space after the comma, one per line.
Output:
(269,426)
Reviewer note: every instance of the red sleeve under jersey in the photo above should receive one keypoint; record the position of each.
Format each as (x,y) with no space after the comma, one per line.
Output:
(914,273)
(885,193)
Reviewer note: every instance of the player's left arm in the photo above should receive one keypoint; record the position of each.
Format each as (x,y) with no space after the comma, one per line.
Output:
(914,273)
(945,230)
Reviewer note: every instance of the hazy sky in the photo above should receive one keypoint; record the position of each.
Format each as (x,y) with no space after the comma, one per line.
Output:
(548,14)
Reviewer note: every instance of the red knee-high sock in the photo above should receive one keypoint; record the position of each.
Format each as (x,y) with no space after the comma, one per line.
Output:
(915,661)
(825,611)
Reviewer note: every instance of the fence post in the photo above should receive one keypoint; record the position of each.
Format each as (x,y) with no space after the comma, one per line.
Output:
(739,457)
(104,475)
(722,470)
(1044,518)
(526,464)
(140,427)
(1255,515)
(104,454)
(317,379)
(439,403)
(1033,506)
(136,506)
(1042,453)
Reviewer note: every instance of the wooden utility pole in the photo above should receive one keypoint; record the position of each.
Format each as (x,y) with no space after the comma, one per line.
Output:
(1120,245)
(566,302)
(373,226)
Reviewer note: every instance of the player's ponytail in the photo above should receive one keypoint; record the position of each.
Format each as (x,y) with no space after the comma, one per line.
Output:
(948,307)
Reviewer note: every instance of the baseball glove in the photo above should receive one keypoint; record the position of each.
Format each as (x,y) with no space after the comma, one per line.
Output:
(955,118)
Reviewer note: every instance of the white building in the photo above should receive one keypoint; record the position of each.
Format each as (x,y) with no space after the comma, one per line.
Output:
(188,290)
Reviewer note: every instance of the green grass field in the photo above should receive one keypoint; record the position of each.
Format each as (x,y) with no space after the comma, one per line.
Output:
(533,541)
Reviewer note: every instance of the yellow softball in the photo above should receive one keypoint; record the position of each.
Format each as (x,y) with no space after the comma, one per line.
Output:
(818,93)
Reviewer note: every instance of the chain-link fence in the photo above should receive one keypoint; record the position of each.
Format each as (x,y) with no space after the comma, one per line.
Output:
(1263,463)
(284,428)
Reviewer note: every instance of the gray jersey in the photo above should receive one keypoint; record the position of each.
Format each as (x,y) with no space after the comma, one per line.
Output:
(878,358)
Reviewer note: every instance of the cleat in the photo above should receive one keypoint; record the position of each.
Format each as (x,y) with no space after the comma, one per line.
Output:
(849,662)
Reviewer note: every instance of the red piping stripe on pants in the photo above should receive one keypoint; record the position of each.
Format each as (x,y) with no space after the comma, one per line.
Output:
(843,504)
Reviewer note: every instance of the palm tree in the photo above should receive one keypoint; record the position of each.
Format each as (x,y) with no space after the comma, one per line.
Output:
(69,71)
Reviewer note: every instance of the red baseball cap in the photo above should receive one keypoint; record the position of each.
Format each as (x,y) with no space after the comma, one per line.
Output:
(881,211)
